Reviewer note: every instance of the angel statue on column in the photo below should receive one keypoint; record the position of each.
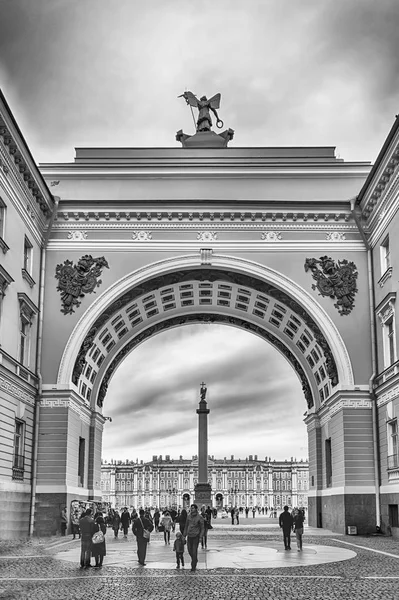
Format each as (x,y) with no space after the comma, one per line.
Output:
(204,121)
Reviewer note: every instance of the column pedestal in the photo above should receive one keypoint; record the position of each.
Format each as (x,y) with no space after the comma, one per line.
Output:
(203,494)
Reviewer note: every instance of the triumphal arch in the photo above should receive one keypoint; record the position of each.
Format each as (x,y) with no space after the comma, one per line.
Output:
(265,239)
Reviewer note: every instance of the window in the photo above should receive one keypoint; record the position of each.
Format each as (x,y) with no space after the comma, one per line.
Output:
(328,463)
(27,312)
(81,462)
(23,340)
(27,255)
(390,334)
(385,255)
(386,315)
(3,207)
(393,459)
(19,443)
(5,280)
(393,515)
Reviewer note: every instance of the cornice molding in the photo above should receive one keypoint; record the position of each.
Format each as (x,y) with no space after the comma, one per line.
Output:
(381,183)
(116,245)
(180,170)
(202,225)
(203,218)
(20,196)
(24,168)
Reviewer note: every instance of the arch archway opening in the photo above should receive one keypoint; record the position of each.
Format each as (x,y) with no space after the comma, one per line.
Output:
(254,395)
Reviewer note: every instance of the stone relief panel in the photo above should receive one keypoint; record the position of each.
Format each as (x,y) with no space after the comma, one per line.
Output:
(335,236)
(336,280)
(271,236)
(77,235)
(207,236)
(142,236)
(74,281)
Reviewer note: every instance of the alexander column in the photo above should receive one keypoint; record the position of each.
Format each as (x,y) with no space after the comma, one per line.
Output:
(202,490)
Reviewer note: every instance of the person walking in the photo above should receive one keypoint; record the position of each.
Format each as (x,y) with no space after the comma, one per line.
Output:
(286,523)
(232,514)
(142,528)
(64,521)
(115,523)
(178,548)
(157,517)
(204,539)
(75,520)
(87,528)
(173,514)
(166,522)
(182,519)
(193,531)
(299,519)
(125,521)
(253,512)
(98,550)
(246,512)
(237,515)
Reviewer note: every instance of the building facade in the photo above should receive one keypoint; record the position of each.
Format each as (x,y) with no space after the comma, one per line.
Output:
(26,208)
(294,245)
(165,482)
(377,206)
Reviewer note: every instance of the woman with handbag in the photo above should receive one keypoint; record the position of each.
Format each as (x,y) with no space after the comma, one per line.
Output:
(142,528)
(98,550)
(166,522)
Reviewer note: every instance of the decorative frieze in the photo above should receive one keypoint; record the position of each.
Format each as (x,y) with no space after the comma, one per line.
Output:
(346,403)
(77,235)
(15,391)
(391,394)
(207,236)
(271,236)
(58,403)
(335,236)
(142,236)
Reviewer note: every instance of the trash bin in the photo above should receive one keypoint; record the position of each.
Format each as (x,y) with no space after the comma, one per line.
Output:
(352,530)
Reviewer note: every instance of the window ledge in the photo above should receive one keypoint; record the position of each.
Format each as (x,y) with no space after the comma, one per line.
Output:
(3,246)
(28,278)
(385,277)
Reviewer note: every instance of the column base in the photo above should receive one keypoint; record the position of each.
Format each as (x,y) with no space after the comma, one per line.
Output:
(203,494)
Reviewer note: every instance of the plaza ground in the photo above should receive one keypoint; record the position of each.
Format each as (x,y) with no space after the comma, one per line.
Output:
(245,561)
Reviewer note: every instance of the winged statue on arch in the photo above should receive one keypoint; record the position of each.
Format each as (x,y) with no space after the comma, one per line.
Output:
(205,107)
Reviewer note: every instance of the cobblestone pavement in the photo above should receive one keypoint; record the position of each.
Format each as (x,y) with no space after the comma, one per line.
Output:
(30,570)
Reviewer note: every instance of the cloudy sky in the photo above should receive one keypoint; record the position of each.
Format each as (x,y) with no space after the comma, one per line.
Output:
(255,399)
(108,73)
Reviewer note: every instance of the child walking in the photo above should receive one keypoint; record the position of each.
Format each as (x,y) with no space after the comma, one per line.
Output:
(178,548)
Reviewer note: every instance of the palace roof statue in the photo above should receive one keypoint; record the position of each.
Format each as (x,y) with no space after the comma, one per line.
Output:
(204,136)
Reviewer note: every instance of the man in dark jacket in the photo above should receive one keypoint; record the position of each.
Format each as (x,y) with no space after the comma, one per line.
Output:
(140,525)
(286,523)
(125,521)
(87,528)
(193,531)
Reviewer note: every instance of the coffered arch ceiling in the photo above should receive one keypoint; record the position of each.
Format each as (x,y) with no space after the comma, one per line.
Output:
(211,294)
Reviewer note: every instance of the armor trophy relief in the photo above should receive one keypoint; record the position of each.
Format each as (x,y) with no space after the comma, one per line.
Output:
(204,136)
